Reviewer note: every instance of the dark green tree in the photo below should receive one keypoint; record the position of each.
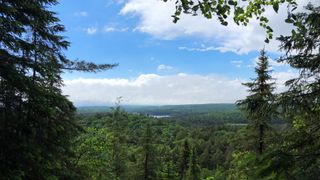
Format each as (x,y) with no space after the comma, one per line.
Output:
(298,155)
(36,120)
(149,169)
(193,172)
(119,143)
(184,159)
(259,103)
(169,171)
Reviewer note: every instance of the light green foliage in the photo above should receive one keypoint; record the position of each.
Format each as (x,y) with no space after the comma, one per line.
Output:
(218,174)
(242,167)
(298,124)
(169,171)
(93,154)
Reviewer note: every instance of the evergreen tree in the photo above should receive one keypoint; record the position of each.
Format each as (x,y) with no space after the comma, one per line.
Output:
(184,159)
(149,154)
(119,142)
(193,172)
(169,171)
(36,120)
(298,154)
(259,104)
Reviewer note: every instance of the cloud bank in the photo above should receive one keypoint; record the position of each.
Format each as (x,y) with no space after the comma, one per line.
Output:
(153,89)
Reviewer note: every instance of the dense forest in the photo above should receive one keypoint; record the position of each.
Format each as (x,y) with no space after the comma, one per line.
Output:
(131,146)
(267,136)
(117,144)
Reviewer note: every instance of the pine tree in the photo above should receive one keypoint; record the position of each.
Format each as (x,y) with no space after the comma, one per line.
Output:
(119,143)
(184,159)
(300,104)
(36,120)
(149,156)
(259,103)
(193,172)
(169,171)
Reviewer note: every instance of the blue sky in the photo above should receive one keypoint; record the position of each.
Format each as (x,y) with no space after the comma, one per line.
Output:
(157,56)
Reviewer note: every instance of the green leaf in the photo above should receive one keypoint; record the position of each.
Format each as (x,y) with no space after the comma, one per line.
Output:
(276,7)
(225,23)
(231,2)
(289,21)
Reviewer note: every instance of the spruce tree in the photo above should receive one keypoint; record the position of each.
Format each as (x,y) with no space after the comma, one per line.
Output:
(300,104)
(258,105)
(36,120)
(149,154)
(193,172)
(184,159)
(119,142)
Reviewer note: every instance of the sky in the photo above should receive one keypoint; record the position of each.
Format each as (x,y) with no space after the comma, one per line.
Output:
(195,61)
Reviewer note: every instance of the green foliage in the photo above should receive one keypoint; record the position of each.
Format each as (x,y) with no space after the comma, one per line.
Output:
(193,172)
(36,120)
(41,139)
(242,166)
(240,11)
(184,159)
(300,104)
(92,153)
(295,154)
(156,148)
(259,105)
(149,165)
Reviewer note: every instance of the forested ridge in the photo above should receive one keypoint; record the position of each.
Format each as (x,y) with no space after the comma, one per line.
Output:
(268,135)
(171,110)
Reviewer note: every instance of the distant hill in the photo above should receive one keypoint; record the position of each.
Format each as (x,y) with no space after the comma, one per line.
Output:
(170,110)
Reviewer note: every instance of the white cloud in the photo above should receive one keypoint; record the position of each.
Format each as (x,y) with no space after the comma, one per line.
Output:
(202,48)
(155,19)
(281,78)
(164,67)
(92,30)
(275,63)
(109,29)
(81,14)
(155,89)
